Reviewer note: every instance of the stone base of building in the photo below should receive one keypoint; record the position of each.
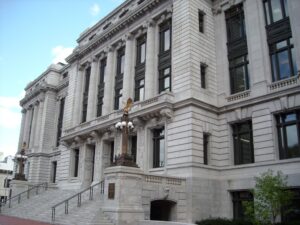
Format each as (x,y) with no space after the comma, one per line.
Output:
(123,194)
(18,186)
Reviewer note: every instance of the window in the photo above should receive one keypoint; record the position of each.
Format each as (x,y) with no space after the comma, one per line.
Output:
(60,120)
(288,128)
(165,79)
(275,10)
(237,49)
(158,147)
(238,74)
(205,148)
(164,59)
(201,21)
(75,162)
(140,69)
(119,77)
(203,75)
(112,152)
(101,87)
(243,143)
(283,59)
(53,171)
(85,94)
(238,197)
(292,212)
(133,147)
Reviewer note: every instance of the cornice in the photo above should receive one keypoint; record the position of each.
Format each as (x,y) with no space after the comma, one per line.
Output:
(79,52)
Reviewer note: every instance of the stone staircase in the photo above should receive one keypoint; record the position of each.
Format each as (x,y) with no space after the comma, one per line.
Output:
(39,207)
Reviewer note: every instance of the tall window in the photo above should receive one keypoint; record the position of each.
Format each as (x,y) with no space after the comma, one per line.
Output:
(275,10)
(203,75)
(164,60)
(279,37)
(119,77)
(237,49)
(288,128)
(292,211)
(158,147)
(101,87)
(205,148)
(75,162)
(243,143)
(201,21)
(112,152)
(140,69)
(134,147)
(60,120)
(238,197)
(85,94)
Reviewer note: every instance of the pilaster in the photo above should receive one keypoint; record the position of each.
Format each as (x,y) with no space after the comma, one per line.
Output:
(33,125)
(92,96)
(78,97)
(24,113)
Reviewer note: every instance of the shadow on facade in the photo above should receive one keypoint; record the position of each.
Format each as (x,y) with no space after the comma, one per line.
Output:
(163,210)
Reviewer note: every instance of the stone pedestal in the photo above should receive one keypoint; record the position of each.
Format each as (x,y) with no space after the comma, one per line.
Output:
(123,195)
(18,186)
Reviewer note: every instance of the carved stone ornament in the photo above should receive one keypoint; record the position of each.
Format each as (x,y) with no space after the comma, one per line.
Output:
(78,139)
(168,113)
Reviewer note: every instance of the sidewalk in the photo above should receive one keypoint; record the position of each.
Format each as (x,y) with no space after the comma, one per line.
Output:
(8,220)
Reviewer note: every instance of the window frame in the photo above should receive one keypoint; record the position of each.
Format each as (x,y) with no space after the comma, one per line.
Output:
(268,11)
(101,86)
(60,120)
(238,154)
(75,167)
(283,154)
(85,94)
(201,21)
(119,78)
(203,72)
(140,68)
(233,74)
(237,202)
(206,137)
(156,147)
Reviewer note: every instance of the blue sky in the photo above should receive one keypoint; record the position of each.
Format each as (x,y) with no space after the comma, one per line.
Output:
(34,34)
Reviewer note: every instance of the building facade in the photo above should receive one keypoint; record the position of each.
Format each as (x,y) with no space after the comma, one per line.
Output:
(216,94)
(6,175)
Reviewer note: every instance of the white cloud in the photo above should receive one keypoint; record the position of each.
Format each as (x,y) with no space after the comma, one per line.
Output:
(94,10)
(60,53)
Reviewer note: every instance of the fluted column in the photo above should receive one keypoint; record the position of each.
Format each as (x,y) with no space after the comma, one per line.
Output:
(92,96)
(27,125)
(78,96)
(38,125)
(128,79)
(24,113)
(33,126)
(108,98)
(151,65)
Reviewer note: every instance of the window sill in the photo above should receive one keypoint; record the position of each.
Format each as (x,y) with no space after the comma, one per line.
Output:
(159,169)
(278,85)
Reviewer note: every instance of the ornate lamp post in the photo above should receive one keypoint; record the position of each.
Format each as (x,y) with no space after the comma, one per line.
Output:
(21,158)
(125,125)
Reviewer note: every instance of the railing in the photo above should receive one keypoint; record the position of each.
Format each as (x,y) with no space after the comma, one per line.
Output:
(35,189)
(78,195)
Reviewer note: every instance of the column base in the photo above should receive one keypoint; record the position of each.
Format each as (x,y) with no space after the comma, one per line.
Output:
(124,160)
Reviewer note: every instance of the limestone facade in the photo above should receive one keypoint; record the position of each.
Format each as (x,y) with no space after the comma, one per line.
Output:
(197,167)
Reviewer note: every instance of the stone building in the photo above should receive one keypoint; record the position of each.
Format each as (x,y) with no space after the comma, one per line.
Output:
(216,92)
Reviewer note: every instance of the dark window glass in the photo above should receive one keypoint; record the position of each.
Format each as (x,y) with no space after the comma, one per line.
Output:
(165,80)
(140,69)
(158,148)
(235,23)
(112,152)
(205,148)
(119,77)
(60,120)
(292,211)
(101,87)
(275,10)
(139,90)
(76,162)
(238,197)
(54,167)
(238,74)
(85,94)
(203,75)
(134,147)
(283,60)
(288,128)
(243,143)
(201,21)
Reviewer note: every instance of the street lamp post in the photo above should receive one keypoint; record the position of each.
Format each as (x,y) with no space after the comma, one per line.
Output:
(125,125)
(21,158)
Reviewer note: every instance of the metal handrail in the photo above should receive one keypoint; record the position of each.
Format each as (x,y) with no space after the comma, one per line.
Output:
(78,195)
(19,196)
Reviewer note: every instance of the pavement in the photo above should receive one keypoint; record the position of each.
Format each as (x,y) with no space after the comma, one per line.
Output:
(9,220)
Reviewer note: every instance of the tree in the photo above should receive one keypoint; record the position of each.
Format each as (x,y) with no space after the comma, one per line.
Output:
(270,195)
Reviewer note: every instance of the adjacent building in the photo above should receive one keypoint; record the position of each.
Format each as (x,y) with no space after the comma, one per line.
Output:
(6,171)
(216,92)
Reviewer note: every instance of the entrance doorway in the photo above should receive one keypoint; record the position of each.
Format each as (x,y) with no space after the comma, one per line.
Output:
(163,210)
(53,172)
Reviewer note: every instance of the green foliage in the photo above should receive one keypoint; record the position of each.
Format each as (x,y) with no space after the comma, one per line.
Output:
(222,221)
(270,195)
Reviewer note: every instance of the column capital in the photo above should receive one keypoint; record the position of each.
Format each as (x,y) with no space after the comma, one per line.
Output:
(110,48)
(128,37)
(23,110)
(150,23)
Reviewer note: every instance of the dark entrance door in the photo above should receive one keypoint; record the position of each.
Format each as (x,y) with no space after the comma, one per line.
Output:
(54,165)
(162,210)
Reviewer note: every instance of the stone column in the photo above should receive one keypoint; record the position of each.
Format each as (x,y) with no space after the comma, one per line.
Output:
(78,96)
(27,125)
(151,58)
(294,7)
(108,98)
(92,98)
(38,125)
(128,79)
(33,126)
(24,113)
